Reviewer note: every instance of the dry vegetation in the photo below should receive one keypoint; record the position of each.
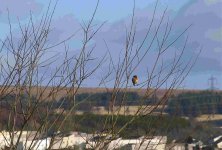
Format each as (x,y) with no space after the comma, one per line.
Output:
(62,92)
(209,117)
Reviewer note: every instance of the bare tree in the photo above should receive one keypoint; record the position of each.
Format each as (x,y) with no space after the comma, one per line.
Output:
(27,83)
(158,76)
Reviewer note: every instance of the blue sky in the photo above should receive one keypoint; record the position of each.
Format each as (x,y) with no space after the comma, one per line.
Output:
(204,15)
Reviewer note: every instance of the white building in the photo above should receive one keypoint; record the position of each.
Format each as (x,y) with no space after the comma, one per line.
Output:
(71,140)
(154,143)
(40,144)
(176,146)
(218,141)
(24,139)
(4,139)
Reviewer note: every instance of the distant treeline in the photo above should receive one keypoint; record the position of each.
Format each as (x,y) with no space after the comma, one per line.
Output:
(195,103)
(184,104)
(86,101)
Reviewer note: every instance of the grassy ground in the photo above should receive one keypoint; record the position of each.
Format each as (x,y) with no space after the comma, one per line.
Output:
(209,117)
(124,110)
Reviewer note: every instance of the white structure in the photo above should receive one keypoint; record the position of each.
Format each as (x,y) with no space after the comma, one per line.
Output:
(6,137)
(32,140)
(40,144)
(176,146)
(74,139)
(218,141)
(154,143)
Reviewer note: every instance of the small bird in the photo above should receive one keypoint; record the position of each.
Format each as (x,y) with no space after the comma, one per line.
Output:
(135,80)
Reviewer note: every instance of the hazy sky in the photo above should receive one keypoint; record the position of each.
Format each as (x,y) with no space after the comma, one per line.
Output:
(204,15)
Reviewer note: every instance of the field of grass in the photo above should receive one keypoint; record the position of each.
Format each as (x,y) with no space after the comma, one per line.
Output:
(209,117)
(124,110)
(63,91)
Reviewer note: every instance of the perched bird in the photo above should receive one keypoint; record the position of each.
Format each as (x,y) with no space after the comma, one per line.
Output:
(135,80)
